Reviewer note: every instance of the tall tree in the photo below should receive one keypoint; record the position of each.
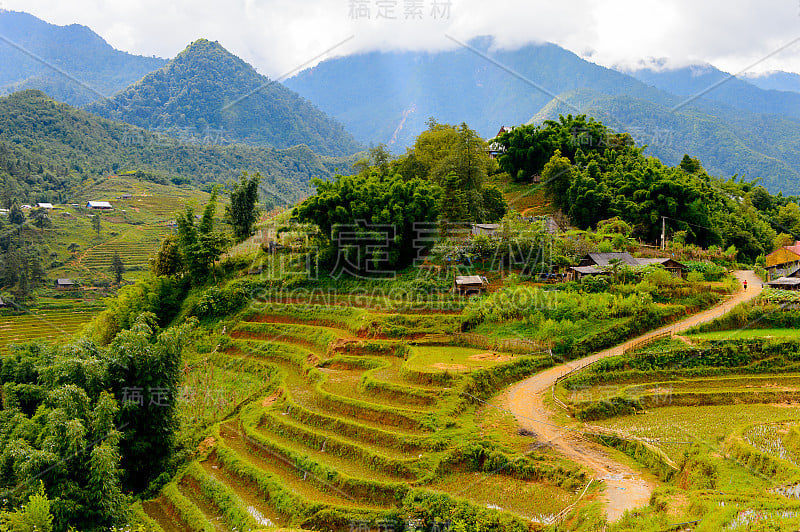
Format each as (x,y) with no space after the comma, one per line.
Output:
(141,360)
(168,260)
(15,215)
(243,211)
(200,245)
(117,267)
(40,218)
(96,223)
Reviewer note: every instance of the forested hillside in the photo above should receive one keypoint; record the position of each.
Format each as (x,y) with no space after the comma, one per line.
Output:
(728,141)
(388,96)
(208,90)
(47,148)
(70,63)
(739,93)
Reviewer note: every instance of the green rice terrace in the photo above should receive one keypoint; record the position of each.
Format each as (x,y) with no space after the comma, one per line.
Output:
(357,423)
(713,414)
(343,412)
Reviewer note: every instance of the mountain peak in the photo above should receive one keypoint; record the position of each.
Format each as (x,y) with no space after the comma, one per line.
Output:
(206,87)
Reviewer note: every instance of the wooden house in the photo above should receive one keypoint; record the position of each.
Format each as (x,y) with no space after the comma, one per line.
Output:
(490,230)
(787,282)
(671,265)
(64,284)
(466,285)
(608,260)
(576,273)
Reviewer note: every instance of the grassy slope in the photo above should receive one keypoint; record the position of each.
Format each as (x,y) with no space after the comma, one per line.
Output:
(133,229)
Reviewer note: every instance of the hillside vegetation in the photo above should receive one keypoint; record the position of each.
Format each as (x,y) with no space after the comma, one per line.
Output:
(48,148)
(208,90)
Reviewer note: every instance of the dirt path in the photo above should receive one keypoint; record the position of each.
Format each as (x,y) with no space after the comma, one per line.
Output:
(625,487)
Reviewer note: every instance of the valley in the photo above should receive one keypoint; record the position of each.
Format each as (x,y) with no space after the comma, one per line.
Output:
(340,300)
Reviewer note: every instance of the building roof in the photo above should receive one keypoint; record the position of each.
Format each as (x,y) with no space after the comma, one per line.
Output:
(470,279)
(794,248)
(99,204)
(2,303)
(64,281)
(587,270)
(45,205)
(487,226)
(604,259)
(660,260)
(784,255)
(785,281)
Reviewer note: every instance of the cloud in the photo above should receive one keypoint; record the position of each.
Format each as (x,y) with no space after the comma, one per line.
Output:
(278,35)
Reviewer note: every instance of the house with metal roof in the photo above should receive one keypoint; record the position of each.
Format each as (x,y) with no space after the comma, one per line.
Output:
(65,284)
(99,205)
(608,260)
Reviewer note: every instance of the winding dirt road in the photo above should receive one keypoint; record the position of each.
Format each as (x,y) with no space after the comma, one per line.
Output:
(625,488)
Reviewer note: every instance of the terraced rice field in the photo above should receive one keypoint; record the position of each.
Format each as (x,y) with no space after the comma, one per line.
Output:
(43,325)
(738,384)
(706,424)
(134,246)
(349,427)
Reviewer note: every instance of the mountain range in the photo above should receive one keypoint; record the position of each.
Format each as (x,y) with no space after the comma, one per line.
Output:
(71,63)
(735,125)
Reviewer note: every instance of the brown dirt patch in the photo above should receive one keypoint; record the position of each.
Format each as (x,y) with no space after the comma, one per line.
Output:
(490,356)
(270,399)
(450,367)
(206,445)
(342,343)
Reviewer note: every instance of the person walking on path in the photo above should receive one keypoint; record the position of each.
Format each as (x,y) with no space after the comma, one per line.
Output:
(745,284)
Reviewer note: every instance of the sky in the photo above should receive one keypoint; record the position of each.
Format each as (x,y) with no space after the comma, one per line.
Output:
(280,37)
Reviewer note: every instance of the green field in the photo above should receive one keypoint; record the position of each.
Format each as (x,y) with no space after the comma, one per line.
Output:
(44,325)
(707,424)
(745,334)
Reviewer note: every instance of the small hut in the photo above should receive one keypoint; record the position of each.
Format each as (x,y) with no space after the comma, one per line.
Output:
(465,285)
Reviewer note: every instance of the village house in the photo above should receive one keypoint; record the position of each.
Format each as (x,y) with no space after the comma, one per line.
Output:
(490,230)
(609,260)
(788,282)
(576,273)
(466,285)
(64,284)
(495,149)
(48,206)
(783,261)
(99,205)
